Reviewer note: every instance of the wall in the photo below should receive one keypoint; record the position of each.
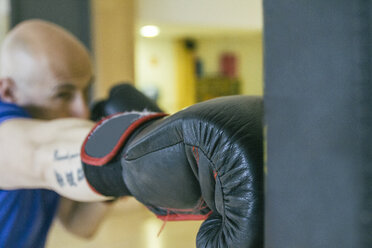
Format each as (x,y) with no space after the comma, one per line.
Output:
(248,49)
(155,68)
(113,43)
(4,18)
(156,64)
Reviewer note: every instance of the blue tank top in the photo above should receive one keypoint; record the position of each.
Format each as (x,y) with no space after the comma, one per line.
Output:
(25,215)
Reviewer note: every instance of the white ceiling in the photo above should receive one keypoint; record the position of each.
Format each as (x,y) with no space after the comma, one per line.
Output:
(201,17)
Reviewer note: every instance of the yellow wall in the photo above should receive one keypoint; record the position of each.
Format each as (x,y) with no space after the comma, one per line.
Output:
(248,49)
(156,68)
(113,28)
(185,78)
(165,64)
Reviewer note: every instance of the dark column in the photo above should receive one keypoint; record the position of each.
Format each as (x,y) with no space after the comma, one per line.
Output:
(318,105)
(74,15)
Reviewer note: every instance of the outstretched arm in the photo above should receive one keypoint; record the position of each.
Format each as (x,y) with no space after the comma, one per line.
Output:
(45,154)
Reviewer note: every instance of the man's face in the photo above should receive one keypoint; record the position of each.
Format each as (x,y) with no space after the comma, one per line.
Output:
(45,70)
(57,88)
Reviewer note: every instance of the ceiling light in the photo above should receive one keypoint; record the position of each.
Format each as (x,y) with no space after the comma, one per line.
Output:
(149,31)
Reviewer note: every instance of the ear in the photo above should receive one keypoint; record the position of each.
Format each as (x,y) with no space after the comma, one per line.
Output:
(7,88)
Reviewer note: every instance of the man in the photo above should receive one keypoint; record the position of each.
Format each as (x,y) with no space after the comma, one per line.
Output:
(44,75)
(202,163)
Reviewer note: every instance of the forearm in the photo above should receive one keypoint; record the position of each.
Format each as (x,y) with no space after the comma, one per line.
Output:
(45,154)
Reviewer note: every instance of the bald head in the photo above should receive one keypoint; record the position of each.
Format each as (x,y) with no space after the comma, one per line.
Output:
(38,56)
(42,44)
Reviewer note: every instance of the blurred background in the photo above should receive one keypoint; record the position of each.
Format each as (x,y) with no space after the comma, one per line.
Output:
(176,52)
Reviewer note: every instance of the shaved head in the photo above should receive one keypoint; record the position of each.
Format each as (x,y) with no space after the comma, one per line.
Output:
(38,56)
(44,45)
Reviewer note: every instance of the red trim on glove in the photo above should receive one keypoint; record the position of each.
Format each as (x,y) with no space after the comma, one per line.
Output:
(104,160)
(178,217)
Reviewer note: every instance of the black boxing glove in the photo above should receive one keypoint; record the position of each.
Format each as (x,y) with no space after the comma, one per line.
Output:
(123,97)
(204,162)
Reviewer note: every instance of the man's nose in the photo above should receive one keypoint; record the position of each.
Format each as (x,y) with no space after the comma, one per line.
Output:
(79,107)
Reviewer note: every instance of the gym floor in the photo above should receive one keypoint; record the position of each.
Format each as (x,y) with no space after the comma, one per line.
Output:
(129,224)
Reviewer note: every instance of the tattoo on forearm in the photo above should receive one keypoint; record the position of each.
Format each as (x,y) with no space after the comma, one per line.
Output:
(66,156)
(67,176)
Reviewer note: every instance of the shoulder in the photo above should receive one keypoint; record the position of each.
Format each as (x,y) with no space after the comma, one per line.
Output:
(9,111)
